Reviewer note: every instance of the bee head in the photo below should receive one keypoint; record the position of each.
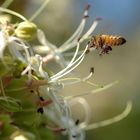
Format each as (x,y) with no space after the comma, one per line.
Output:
(92,42)
(123,40)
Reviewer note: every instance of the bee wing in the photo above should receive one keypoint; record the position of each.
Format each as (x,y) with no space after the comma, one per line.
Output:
(105,49)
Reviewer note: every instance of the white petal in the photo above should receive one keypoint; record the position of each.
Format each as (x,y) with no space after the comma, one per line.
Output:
(3,42)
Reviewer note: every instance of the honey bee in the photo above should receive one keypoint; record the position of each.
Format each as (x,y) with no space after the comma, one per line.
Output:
(105,42)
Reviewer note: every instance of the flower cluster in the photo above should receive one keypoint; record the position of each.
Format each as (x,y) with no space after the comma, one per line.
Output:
(24,73)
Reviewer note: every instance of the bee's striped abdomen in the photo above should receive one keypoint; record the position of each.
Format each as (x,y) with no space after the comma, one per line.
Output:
(111,40)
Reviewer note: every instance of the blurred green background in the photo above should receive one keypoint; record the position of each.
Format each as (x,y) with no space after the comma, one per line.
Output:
(60,19)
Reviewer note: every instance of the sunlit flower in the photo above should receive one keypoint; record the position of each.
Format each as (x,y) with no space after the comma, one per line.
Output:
(48,85)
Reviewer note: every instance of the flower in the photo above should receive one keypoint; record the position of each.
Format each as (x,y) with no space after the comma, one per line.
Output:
(58,111)
(46,85)
(58,52)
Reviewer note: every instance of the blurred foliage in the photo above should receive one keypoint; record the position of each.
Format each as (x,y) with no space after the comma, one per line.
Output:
(18,107)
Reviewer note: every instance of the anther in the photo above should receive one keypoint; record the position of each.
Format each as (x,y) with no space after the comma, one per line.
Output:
(92,70)
(87,7)
(43,102)
(32,91)
(98,18)
(77,122)
(86,16)
(86,11)
(79,39)
(41,98)
(74,136)
(40,110)
(87,51)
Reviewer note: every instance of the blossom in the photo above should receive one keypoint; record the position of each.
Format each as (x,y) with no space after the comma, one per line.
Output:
(46,85)
(17,44)
(58,52)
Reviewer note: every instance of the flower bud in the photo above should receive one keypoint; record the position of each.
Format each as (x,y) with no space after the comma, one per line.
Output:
(26,30)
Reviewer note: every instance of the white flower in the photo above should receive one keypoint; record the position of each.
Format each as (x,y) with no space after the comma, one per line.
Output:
(14,45)
(58,52)
(59,111)
(3,42)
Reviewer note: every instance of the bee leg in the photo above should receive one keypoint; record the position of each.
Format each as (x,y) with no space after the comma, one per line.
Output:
(105,49)
(90,45)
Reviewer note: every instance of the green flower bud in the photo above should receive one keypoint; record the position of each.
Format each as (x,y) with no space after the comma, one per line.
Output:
(10,104)
(26,30)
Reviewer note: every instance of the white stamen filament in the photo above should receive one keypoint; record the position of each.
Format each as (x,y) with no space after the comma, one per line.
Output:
(111,120)
(86,108)
(15,53)
(69,70)
(58,115)
(80,58)
(84,37)
(91,29)
(98,90)
(23,45)
(25,70)
(42,72)
(57,100)
(74,56)
(77,33)
(41,37)
(68,54)
(76,79)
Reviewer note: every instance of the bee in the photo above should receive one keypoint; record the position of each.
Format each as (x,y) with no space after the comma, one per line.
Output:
(105,42)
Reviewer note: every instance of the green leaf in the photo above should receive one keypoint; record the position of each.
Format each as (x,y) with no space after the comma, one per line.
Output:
(5,65)
(10,104)
(3,69)
(6,129)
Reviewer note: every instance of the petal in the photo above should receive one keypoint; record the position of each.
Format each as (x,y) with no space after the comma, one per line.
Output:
(3,42)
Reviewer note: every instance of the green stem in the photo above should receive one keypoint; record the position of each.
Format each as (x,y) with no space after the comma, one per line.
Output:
(2,90)
(6,3)
(13,13)
(42,7)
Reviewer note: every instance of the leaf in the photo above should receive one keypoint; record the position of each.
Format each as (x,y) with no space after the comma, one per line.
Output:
(7,129)
(10,104)
(5,65)
(3,69)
